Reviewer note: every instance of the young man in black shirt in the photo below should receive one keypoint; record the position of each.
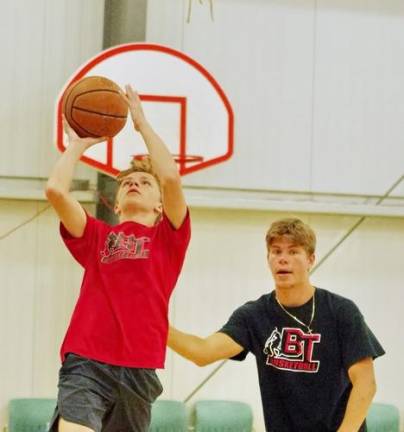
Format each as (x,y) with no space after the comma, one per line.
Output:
(313,349)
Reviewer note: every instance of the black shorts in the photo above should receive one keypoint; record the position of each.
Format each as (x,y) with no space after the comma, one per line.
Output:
(104,397)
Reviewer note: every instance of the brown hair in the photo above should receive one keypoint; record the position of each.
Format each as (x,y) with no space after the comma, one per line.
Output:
(297,230)
(138,165)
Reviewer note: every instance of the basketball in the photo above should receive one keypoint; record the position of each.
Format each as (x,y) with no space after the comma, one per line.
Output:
(94,107)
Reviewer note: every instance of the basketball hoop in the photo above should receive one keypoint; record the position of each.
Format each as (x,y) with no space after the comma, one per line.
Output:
(177,104)
(180,159)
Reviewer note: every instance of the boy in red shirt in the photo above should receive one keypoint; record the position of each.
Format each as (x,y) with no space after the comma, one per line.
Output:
(117,334)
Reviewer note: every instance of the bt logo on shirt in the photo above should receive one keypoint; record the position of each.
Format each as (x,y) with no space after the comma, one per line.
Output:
(292,350)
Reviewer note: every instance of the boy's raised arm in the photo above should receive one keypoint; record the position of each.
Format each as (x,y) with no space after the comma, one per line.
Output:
(163,164)
(58,185)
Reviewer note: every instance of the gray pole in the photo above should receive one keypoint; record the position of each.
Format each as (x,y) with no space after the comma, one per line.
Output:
(124,22)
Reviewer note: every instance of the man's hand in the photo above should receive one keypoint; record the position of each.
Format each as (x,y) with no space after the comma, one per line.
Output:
(74,138)
(203,351)
(135,107)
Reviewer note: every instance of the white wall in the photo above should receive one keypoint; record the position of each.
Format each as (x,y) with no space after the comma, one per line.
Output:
(318,97)
(43,43)
(316,87)
(225,267)
(39,285)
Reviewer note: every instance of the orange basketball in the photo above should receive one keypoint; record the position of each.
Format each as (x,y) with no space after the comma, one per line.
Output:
(94,107)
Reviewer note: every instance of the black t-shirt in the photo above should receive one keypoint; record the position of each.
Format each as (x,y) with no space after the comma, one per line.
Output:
(303,377)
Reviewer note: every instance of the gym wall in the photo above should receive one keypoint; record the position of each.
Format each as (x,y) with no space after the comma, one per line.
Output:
(316,90)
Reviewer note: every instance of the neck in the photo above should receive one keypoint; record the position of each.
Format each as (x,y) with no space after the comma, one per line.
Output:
(294,296)
(144,218)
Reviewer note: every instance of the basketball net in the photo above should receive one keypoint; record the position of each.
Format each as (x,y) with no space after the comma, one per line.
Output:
(200,2)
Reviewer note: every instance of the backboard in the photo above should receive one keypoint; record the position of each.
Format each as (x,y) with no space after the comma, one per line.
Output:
(181,99)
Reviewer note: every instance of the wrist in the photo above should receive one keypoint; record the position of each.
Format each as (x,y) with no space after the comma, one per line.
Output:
(142,126)
(77,146)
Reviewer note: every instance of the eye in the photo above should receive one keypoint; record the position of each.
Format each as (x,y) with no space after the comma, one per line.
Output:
(293,252)
(147,182)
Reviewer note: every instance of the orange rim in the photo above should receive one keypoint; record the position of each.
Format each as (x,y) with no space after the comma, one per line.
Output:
(178,158)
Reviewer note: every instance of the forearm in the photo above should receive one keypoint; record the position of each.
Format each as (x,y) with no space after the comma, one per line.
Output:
(161,158)
(189,346)
(62,173)
(162,161)
(359,401)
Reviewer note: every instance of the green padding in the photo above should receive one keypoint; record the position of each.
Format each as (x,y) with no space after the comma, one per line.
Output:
(30,415)
(383,418)
(223,416)
(168,416)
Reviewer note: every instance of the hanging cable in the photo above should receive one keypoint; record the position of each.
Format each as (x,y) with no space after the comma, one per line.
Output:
(102,199)
(105,202)
(200,2)
(26,222)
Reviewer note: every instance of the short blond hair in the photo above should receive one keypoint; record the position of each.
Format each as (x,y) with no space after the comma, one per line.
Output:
(138,165)
(299,232)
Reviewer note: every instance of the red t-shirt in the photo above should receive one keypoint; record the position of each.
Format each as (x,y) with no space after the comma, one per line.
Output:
(130,272)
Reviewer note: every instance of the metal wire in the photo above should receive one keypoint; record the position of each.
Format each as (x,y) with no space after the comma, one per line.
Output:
(200,2)
(26,222)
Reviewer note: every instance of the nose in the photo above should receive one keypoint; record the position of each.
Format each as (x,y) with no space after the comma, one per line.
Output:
(282,259)
(133,182)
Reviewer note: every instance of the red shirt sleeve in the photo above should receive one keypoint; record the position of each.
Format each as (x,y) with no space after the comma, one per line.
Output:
(81,247)
(180,235)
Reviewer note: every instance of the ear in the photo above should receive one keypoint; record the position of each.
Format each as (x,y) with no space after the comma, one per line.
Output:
(159,208)
(312,259)
(117,208)
(268,262)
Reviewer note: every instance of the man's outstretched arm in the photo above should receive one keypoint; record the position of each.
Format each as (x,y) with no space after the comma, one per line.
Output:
(203,351)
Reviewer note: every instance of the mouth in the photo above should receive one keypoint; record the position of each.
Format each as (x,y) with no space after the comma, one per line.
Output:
(283,272)
(132,190)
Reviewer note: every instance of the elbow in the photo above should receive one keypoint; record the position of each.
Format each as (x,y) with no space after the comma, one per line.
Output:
(367,388)
(52,192)
(371,387)
(202,361)
(170,178)
(371,392)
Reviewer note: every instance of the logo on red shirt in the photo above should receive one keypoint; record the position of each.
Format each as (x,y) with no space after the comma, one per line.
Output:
(120,246)
(292,350)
